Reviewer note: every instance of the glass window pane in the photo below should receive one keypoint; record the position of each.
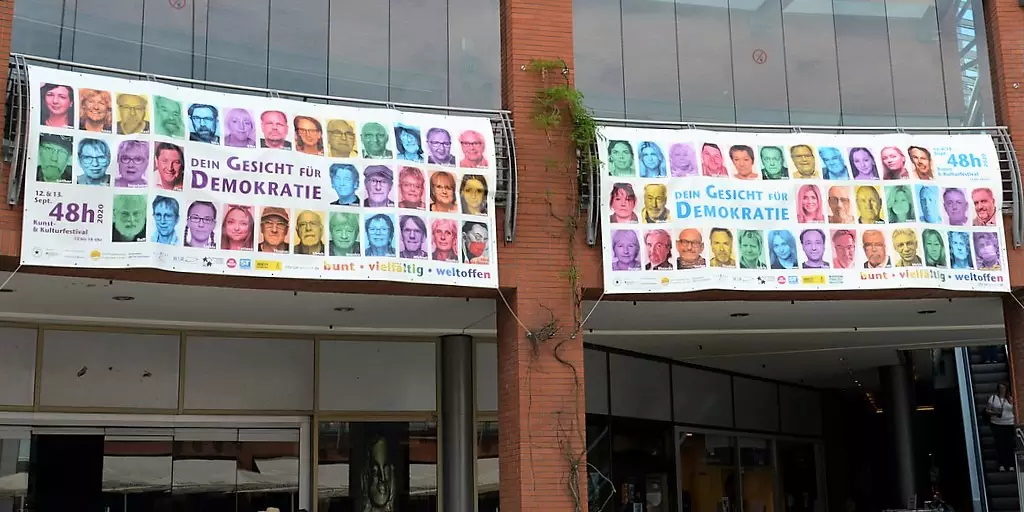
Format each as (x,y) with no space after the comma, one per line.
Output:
(358,62)
(916,64)
(705,61)
(108,33)
(15,454)
(37,27)
(419,51)
(649,60)
(298,45)
(600,488)
(965,63)
(167,38)
(137,473)
(597,42)
(237,42)
(798,477)
(707,472)
(758,473)
(268,469)
(759,63)
(641,464)
(865,75)
(204,475)
(396,460)
(812,73)
(474,50)
(487,466)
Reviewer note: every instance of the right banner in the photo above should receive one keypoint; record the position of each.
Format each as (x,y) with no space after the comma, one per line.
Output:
(687,210)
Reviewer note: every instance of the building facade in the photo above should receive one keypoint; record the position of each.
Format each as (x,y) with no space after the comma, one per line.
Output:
(193,391)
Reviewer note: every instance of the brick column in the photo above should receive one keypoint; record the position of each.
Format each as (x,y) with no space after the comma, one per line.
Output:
(10,219)
(541,407)
(1013,317)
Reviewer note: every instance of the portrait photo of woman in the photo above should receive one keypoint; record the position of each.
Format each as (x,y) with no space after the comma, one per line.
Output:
(309,135)
(236,231)
(200,221)
(894,163)
(863,164)
(625,250)
(380,236)
(900,201)
(960,250)
(239,129)
(444,233)
(808,204)
(442,193)
(623,204)
(95,113)
(782,249)
(473,194)
(407,142)
(620,158)
(652,160)
(57,106)
(986,251)
(934,248)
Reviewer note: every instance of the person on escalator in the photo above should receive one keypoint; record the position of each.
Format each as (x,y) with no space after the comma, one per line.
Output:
(1000,411)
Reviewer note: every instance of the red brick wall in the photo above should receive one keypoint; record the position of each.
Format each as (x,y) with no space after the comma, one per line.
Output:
(541,402)
(10,218)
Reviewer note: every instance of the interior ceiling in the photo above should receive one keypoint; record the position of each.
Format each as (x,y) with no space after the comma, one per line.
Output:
(816,342)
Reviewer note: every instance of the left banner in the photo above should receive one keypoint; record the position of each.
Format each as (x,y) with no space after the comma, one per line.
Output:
(132,173)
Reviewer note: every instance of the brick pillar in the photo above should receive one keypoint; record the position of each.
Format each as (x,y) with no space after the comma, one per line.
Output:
(10,218)
(541,407)
(1013,317)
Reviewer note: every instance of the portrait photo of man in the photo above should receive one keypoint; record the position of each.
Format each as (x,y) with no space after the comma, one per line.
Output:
(954,201)
(928,199)
(475,243)
(412,237)
(341,138)
(345,234)
(439,147)
(167,121)
(472,144)
(274,125)
(874,249)
(54,160)
(345,182)
(378,181)
(94,162)
(844,248)
(166,213)
(690,245)
(869,205)
(132,114)
(659,249)
(129,218)
(813,243)
(721,248)
(984,207)
(835,165)
(205,123)
(274,230)
(309,233)
(773,164)
(839,205)
(375,141)
(803,162)
(904,241)
(655,200)
(922,160)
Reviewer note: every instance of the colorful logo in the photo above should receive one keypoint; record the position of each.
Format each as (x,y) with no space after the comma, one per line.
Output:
(95,254)
(232,263)
(781,279)
(271,265)
(245,264)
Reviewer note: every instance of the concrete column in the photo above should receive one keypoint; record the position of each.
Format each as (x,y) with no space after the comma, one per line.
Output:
(896,382)
(458,405)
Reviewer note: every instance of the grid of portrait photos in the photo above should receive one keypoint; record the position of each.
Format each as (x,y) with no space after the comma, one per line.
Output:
(245,175)
(675,201)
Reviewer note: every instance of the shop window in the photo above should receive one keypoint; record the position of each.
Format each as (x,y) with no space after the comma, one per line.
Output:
(377,463)
(487,466)
(642,465)
(707,472)
(757,474)
(15,453)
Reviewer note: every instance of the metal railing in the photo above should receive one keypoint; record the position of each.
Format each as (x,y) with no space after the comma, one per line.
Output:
(17,122)
(1009,166)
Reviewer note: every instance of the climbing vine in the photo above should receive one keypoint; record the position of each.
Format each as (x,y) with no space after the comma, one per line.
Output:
(560,107)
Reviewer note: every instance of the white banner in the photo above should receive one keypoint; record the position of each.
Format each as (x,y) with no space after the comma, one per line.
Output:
(691,210)
(131,173)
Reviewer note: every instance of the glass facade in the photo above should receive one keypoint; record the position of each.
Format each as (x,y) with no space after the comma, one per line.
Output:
(438,52)
(836,62)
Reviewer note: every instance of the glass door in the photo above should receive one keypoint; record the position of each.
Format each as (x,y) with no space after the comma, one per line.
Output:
(757,468)
(706,468)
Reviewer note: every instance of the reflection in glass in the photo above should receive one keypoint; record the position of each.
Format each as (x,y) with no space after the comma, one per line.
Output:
(369,465)
(649,57)
(916,63)
(597,39)
(798,475)
(707,476)
(865,75)
(358,49)
(237,42)
(167,38)
(759,65)
(758,473)
(486,466)
(474,49)
(812,71)
(108,33)
(37,27)
(268,470)
(298,49)
(136,472)
(419,51)
(15,452)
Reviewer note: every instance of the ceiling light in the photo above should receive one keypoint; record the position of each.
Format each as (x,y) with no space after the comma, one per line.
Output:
(123,297)
(344,309)
(739,315)
(926,312)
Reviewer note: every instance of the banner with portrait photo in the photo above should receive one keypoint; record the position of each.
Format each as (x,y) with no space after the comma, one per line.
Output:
(135,173)
(688,210)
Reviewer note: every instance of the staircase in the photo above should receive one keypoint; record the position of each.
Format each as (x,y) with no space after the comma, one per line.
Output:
(1000,486)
